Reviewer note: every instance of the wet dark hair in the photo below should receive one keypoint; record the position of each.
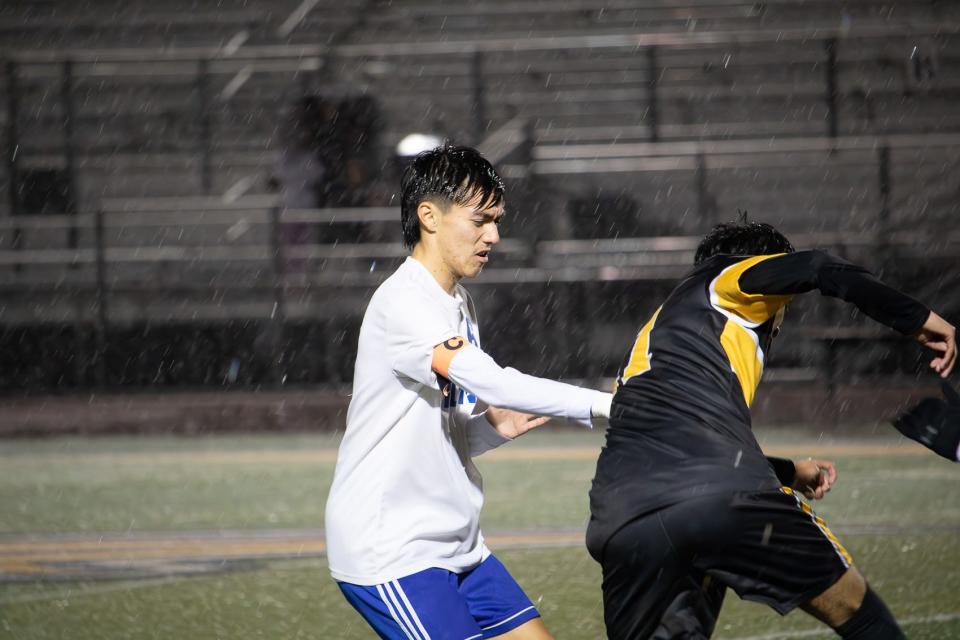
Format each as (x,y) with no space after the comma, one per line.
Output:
(742,238)
(446,175)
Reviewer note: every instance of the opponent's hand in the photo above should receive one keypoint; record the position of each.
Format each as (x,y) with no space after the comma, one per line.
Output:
(939,335)
(511,424)
(814,478)
(935,423)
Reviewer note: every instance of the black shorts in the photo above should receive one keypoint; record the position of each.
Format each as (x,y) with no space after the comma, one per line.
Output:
(664,574)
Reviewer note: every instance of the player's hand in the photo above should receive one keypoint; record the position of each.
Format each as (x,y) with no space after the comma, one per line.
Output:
(939,335)
(935,423)
(814,478)
(511,424)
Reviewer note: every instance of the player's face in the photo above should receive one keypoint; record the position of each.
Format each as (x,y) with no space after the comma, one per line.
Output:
(778,320)
(467,234)
(774,332)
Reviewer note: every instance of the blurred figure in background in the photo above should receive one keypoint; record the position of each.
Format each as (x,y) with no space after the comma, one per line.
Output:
(300,174)
(349,149)
(330,156)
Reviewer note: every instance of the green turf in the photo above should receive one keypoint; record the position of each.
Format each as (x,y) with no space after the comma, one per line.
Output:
(56,486)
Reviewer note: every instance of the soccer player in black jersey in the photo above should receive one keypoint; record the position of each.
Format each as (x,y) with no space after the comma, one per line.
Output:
(684,503)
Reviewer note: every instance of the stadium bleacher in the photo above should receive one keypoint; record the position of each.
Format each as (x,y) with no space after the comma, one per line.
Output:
(821,118)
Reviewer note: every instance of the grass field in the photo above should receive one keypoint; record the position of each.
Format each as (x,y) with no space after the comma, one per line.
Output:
(221,537)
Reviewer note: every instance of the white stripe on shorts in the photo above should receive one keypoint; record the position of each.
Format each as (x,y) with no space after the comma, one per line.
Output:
(401,610)
(393,613)
(413,614)
(506,620)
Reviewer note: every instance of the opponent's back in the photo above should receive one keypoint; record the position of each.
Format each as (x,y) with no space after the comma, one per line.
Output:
(700,356)
(680,421)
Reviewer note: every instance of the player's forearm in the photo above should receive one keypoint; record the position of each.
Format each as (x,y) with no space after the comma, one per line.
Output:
(875,298)
(832,276)
(478,373)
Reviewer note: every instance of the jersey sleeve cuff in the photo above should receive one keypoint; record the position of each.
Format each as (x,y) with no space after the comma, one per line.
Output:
(919,319)
(785,469)
(482,435)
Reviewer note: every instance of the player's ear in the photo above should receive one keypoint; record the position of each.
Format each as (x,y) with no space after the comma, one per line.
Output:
(429,215)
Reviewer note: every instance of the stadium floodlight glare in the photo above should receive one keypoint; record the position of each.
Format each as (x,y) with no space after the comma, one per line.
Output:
(415,143)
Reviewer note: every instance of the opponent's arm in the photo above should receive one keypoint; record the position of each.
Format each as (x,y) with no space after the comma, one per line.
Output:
(935,424)
(789,274)
(813,478)
(506,388)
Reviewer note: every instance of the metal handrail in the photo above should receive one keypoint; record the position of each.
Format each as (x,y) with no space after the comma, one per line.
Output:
(547,43)
(568,251)
(203,216)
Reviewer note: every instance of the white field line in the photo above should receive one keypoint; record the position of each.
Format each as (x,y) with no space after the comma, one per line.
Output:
(826,633)
(76,592)
(126,585)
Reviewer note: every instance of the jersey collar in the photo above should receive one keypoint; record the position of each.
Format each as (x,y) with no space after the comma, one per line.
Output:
(419,273)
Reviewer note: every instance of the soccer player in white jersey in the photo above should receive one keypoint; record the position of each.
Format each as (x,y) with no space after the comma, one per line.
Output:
(402,519)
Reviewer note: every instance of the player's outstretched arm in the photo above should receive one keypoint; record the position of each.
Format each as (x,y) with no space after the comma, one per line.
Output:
(790,274)
(472,369)
(935,423)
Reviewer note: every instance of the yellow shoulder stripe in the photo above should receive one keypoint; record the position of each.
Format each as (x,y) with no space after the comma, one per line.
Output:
(756,308)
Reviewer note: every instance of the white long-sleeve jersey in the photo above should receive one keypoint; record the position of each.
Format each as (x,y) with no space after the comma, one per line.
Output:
(406,495)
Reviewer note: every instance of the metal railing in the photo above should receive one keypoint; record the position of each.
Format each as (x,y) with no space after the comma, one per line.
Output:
(202,63)
(239,247)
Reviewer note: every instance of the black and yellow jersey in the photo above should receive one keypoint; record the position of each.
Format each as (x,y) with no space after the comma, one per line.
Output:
(680,422)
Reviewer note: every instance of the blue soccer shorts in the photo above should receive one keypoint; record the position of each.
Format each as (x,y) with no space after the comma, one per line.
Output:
(437,604)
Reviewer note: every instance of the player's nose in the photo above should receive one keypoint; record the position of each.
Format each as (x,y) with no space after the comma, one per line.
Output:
(491,234)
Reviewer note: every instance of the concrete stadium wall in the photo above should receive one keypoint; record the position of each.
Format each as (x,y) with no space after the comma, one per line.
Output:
(811,405)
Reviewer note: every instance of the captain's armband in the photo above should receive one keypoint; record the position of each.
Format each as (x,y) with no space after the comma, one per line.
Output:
(444,353)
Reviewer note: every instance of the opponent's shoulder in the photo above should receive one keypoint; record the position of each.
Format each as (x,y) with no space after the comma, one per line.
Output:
(714,266)
(721,263)
(724,271)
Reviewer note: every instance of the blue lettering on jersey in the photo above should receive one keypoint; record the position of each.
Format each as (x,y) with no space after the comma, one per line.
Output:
(452,395)
(470,337)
